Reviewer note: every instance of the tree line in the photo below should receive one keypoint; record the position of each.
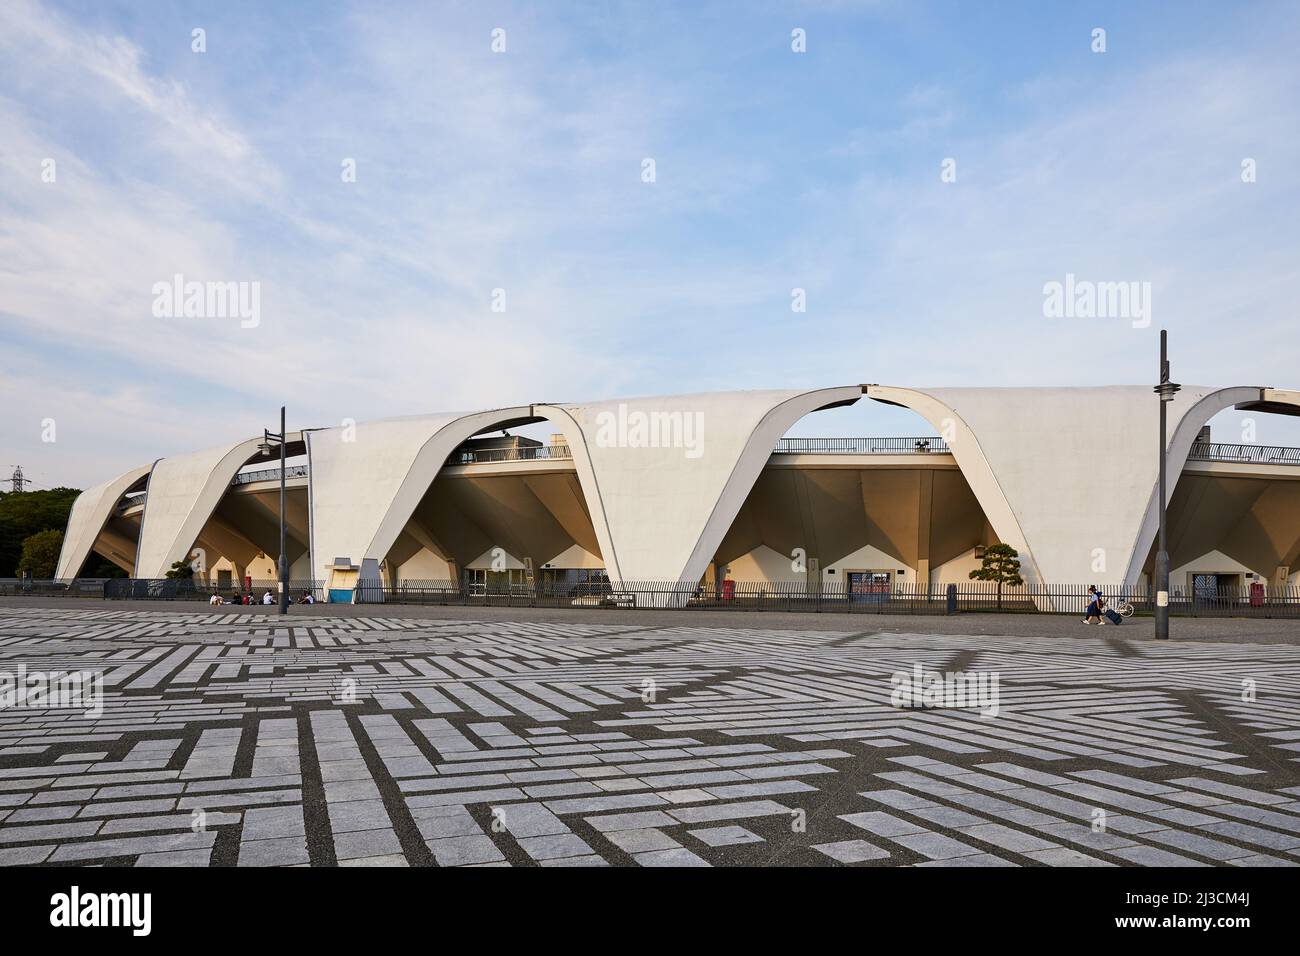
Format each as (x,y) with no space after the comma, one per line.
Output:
(31,535)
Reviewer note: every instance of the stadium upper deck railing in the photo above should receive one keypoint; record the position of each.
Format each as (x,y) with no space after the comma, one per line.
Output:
(889,445)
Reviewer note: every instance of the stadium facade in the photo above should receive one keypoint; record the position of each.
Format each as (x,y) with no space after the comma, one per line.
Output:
(704,488)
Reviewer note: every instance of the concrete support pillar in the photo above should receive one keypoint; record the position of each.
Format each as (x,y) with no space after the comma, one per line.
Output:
(925,512)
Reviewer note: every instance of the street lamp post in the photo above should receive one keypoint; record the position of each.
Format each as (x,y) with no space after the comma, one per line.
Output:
(269,439)
(1166,390)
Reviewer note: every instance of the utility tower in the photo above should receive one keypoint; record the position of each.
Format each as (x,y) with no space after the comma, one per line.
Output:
(18,480)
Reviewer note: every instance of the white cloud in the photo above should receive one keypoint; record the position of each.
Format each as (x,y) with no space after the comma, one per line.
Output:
(478,171)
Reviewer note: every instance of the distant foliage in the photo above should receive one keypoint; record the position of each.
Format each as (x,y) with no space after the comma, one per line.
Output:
(23,514)
(40,555)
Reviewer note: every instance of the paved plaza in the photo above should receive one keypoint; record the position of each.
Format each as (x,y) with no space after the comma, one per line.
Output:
(238,739)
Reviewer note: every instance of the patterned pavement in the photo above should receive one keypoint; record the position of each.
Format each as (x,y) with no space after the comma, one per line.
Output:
(237,740)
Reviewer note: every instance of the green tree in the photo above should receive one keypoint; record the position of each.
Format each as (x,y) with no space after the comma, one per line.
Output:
(23,514)
(181,569)
(1001,564)
(40,554)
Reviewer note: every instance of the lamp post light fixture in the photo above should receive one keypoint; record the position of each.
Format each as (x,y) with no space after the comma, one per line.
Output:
(1166,390)
(269,440)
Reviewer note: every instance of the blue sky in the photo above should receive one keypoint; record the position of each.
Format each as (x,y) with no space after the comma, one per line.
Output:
(521,171)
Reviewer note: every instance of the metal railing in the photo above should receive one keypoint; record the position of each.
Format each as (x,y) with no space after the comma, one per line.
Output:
(32,587)
(129,502)
(1200,451)
(269,474)
(1255,454)
(861,446)
(474,456)
(190,589)
(837,597)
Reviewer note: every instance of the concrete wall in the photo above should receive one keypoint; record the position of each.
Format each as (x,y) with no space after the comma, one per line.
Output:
(1214,562)
(957,570)
(574,557)
(425,566)
(869,559)
(762,564)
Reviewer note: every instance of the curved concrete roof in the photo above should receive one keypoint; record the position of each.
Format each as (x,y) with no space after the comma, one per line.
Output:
(1184,425)
(367,479)
(183,493)
(668,492)
(1067,476)
(90,514)
(661,485)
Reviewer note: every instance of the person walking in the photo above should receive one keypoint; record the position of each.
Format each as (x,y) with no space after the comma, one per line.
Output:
(1095,606)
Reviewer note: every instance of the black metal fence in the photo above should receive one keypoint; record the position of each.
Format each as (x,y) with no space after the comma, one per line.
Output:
(269,474)
(155,589)
(472,456)
(182,589)
(900,598)
(76,588)
(861,446)
(1263,454)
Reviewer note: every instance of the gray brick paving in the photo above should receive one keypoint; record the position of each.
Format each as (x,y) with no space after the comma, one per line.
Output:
(357,740)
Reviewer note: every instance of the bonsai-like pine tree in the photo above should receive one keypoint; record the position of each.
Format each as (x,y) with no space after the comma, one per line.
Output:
(182,570)
(1001,564)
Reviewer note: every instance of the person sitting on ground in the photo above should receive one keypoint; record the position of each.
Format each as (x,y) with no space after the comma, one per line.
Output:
(306,598)
(214,601)
(267,598)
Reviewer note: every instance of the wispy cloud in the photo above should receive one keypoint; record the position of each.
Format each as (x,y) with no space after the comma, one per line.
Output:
(522,171)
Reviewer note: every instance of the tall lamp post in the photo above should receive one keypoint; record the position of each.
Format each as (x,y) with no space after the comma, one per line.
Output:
(269,440)
(1166,390)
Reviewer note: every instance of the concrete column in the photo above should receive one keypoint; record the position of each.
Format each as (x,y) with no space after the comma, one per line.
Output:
(925,513)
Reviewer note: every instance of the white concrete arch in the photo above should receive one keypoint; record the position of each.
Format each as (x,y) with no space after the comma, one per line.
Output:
(365,485)
(184,491)
(1185,421)
(974,464)
(90,514)
(1067,476)
(667,476)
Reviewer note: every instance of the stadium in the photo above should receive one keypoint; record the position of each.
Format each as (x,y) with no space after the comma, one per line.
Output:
(701,490)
